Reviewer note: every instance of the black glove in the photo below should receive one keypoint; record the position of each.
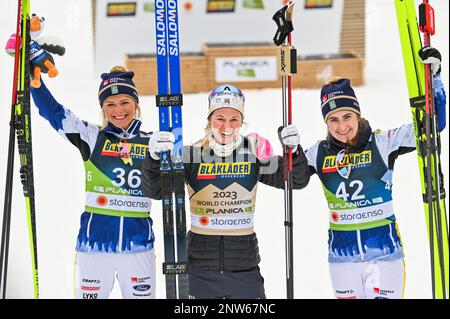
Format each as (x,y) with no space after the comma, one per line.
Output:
(430,55)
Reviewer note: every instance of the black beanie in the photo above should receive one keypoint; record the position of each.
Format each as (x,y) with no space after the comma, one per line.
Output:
(117,82)
(338,96)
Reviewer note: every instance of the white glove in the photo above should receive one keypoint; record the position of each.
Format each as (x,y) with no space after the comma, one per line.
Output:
(160,141)
(289,136)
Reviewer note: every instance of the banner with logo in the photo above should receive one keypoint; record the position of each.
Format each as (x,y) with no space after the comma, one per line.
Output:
(121,9)
(253,4)
(218,6)
(318,4)
(149,6)
(248,21)
(243,69)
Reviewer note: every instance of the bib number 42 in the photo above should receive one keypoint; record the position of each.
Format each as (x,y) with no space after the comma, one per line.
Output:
(355,187)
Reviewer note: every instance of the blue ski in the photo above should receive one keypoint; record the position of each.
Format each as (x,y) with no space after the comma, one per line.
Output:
(172,170)
(177,157)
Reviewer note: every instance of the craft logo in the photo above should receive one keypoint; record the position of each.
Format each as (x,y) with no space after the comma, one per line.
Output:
(113,149)
(91,281)
(121,9)
(324,98)
(353,160)
(345,292)
(223,170)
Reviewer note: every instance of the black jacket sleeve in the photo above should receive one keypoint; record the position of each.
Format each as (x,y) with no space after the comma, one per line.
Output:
(151,178)
(271,172)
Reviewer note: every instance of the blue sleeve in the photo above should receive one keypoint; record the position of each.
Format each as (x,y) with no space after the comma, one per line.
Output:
(80,133)
(48,107)
(440,103)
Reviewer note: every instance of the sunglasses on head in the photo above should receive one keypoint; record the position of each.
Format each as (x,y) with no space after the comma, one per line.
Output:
(226,89)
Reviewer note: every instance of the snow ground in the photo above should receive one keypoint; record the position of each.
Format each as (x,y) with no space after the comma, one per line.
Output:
(59,171)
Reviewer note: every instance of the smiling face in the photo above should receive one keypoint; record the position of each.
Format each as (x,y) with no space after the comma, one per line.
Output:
(225,124)
(343,125)
(119,110)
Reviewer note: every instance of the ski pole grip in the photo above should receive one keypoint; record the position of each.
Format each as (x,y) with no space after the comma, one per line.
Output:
(283,20)
(426,18)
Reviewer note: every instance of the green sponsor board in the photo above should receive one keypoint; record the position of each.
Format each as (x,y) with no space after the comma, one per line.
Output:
(250,73)
(253,4)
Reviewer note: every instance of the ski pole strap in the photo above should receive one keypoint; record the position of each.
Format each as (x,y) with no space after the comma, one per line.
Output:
(287,60)
(175,268)
(283,19)
(165,100)
(426,18)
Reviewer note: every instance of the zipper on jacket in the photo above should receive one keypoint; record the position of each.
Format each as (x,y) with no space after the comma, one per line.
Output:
(221,254)
(358,239)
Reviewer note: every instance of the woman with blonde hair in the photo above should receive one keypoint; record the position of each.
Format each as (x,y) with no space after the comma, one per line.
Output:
(222,172)
(116,237)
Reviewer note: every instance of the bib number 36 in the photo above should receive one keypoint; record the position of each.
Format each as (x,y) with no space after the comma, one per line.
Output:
(133,179)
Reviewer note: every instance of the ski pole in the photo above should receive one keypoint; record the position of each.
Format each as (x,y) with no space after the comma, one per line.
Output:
(427,27)
(287,66)
(10,166)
